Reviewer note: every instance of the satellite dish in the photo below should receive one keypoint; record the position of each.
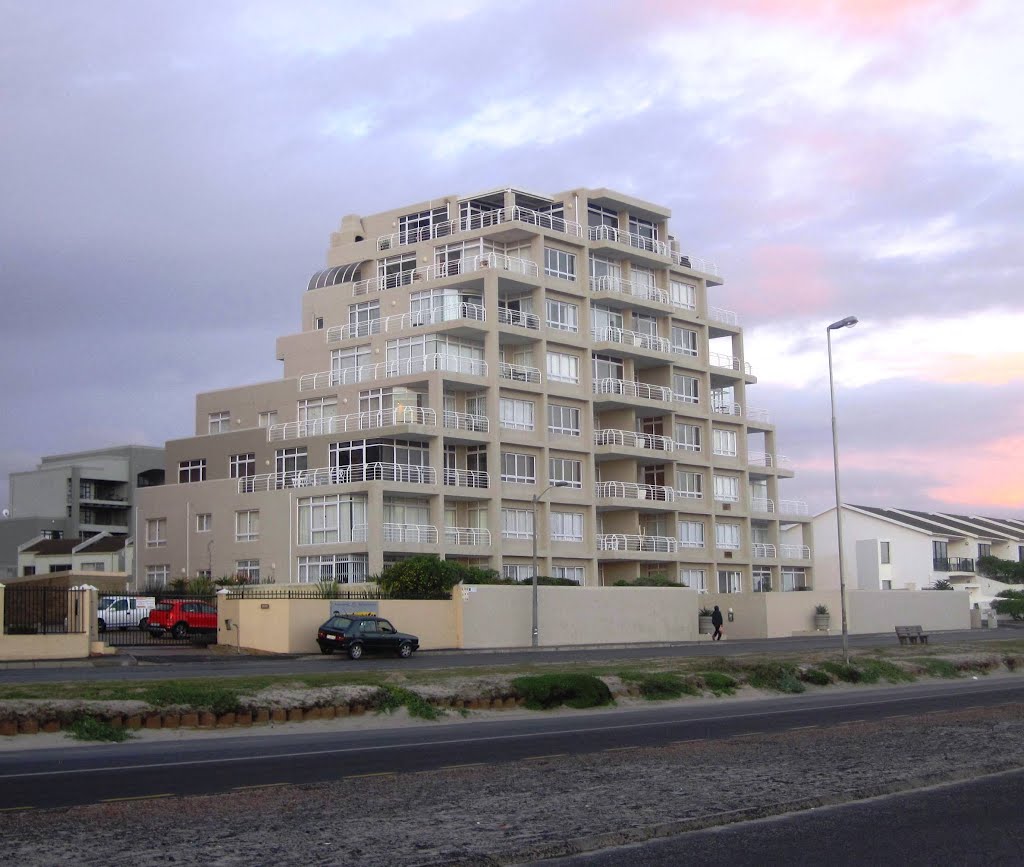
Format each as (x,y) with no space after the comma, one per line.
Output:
(6,513)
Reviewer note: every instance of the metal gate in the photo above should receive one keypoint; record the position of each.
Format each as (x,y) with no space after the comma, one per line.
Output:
(166,619)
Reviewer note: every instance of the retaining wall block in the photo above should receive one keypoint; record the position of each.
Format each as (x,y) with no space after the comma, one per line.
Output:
(262,716)
(295,714)
(116,721)
(172,720)
(8,727)
(358,710)
(190,720)
(243,718)
(311,713)
(207,720)
(279,715)
(133,722)
(226,720)
(153,721)
(327,712)
(342,710)
(28,725)
(51,726)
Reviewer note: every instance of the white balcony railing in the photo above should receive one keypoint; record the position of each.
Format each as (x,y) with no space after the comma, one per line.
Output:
(618,286)
(479,221)
(762,504)
(518,372)
(338,333)
(372,472)
(389,369)
(631,338)
(628,388)
(720,314)
(630,239)
(731,362)
(632,542)
(415,534)
(766,459)
(517,317)
(761,415)
(440,270)
(635,491)
(793,507)
(697,263)
(352,422)
(795,552)
(467,536)
(466,421)
(764,549)
(467,478)
(726,407)
(630,439)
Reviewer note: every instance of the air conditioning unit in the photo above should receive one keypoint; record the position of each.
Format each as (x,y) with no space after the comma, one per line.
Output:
(384,244)
(726,507)
(728,555)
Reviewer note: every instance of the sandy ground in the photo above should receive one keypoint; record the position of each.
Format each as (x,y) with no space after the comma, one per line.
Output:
(517,812)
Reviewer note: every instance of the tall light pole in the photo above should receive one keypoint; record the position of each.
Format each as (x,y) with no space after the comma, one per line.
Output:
(536,499)
(848,322)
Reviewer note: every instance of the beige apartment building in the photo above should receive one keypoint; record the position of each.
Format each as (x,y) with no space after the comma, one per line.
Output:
(466,364)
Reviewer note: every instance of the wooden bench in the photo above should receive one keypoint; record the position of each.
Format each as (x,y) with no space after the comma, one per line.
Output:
(911,635)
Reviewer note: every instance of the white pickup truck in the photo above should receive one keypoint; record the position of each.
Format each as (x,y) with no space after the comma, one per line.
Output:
(124,612)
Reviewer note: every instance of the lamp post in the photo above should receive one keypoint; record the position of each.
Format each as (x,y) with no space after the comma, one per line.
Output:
(536,499)
(848,322)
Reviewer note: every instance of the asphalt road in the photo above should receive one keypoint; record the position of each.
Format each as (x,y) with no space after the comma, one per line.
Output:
(190,663)
(146,769)
(973,822)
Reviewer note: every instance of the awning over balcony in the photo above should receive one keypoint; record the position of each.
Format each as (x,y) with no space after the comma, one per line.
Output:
(333,276)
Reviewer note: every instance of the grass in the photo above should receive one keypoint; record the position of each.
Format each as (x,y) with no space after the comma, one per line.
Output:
(89,728)
(875,670)
(776,676)
(388,699)
(546,691)
(718,682)
(934,667)
(816,676)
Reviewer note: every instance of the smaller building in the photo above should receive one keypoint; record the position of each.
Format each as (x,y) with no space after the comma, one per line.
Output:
(99,553)
(905,549)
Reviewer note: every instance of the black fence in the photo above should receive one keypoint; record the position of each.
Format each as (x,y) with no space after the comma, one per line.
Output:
(44,611)
(158,620)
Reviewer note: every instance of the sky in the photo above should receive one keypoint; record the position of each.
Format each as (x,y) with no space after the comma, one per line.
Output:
(170,174)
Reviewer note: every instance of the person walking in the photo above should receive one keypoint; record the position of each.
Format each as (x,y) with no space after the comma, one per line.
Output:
(717,620)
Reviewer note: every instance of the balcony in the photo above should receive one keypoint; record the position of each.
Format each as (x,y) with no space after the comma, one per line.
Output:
(726,317)
(466,421)
(467,536)
(630,439)
(730,362)
(793,507)
(759,415)
(628,288)
(953,564)
(391,369)
(695,263)
(632,338)
(412,534)
(518,372)
(467,478)
(764,459)
(479,221)
(630,239)
(628,388)
(372,472)
(720,406)
(453,312)
(764,550)
(441,270)
(631,542)
(762,505)
(355,421)
(795,552)
(507,316)
(634,491)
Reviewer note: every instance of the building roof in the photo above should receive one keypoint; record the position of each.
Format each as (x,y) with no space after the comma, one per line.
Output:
(96,545)
(333,276)
(942,524)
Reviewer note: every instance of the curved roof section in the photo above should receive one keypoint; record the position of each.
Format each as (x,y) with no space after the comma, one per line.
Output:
(333,276)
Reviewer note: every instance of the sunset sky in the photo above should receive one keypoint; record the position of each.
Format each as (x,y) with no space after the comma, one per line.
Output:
(170,174)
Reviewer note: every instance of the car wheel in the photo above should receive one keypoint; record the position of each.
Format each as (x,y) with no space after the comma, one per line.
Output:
(405,650)
(180,630)
(356,651)
(102,625)
(144,623)
(326,651)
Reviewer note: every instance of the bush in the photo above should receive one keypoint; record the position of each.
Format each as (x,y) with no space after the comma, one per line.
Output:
(821,609)
(815,676)
(663,685)
(544,691)
(198,696)
(843,671)
(777,676)
(718,682)
(1008,571)
(388,699)
(938,667)
(429,577)
(648,581)
(88,728)
(1010,602)
(874,670)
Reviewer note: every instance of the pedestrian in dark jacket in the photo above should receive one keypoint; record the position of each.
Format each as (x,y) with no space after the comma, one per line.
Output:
(717,620)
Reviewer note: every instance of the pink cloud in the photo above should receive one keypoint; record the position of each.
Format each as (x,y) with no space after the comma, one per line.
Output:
(787,279)
(998,369)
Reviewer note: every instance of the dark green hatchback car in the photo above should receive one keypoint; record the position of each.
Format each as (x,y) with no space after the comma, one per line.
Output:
(357,634)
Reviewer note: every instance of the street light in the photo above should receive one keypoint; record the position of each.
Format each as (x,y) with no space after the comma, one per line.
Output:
(848,322)
(536,499)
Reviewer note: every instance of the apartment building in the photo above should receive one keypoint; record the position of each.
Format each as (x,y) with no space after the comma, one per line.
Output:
(888,548)
(467,364)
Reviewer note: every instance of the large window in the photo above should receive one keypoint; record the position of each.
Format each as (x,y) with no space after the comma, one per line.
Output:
(247,525)
(566,472)
(604,318)
(727,489)
(242,466)
(724,442)
(762,579)
(248,571)
(598,216)
(686,388)
(563,316)
(157,576)
(564,420)
(795,579)
(730,581)
(688,437)
(423,225)
(684,340)
(350,365)
(571,573)
(396,270)
(364,318)
(563,367)
(516,414)
(695,579)
(220,422)
(291,460)
(645,230)
(156,532)
(727,536)
(192,471)
(343,568)
(517,571)
(267,418)
(690,534)
(317,408)
(516,524)
(682,295)
(607,367)
(559,263)
(690,483)
(331,519)
(885,552)
(518,468)
(567,526)
(204,522)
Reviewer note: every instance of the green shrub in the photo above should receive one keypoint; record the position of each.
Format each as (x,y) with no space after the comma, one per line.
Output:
(1010,602)
(718,682)
(88,728)
(874,670)
(815,676)
(663,685)
(821,609)
(198,696)
(843,671)
(777,676)
(938,667)
(544,691)
(388,699)
(429,577)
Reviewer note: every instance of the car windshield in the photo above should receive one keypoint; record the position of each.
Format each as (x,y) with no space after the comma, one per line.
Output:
(104,603)
(339,623)
(164,606)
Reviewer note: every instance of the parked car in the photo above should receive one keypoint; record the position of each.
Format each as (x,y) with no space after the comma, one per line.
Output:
(364,633)
(124,612)
(182,617)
